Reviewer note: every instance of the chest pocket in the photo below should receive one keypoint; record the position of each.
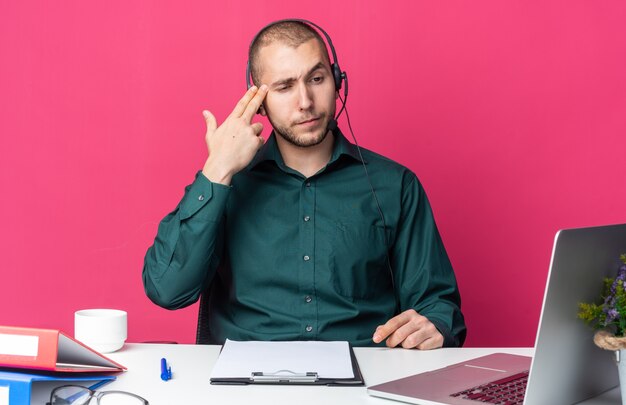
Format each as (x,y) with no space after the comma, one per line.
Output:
(358,260)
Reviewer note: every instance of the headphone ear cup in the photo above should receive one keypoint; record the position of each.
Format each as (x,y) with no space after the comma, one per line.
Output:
(337,76)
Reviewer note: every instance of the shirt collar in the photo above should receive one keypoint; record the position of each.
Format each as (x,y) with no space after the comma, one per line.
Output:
(270,152)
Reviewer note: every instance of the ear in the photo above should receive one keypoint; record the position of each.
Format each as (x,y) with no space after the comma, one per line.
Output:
(336,95)
(262,111)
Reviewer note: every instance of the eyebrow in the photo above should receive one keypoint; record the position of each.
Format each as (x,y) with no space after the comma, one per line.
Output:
(293,79)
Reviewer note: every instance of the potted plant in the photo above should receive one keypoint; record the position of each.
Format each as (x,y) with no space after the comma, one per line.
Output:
(609,318)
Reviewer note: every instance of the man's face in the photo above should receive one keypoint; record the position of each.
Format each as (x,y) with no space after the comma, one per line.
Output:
(301,97)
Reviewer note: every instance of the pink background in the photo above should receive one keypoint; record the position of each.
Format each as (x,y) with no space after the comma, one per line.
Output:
(513,115)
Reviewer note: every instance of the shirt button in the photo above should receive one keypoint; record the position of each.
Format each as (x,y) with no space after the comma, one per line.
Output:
(200,197)
(309,328)
(308,298)
(308,184)
(306,258)
(307,218)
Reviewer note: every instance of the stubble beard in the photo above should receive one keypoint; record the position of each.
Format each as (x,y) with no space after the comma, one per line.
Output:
(288,134)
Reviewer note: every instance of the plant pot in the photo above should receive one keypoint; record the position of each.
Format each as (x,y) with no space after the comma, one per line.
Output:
(608,341)
(620,359)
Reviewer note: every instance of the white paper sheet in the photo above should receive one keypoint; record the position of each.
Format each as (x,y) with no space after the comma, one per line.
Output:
(241,359)
(4,395)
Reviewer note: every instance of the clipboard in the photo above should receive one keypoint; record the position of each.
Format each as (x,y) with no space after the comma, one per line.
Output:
(294,377)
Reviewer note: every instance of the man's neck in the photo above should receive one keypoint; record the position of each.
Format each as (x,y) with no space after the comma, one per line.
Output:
(306,160)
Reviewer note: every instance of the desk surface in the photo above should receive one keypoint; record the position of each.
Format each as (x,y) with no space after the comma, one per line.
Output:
(192,364)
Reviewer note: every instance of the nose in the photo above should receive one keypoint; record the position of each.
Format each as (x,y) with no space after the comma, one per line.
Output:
(305,99)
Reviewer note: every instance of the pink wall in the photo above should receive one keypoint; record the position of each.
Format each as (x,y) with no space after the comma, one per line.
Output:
(513,114)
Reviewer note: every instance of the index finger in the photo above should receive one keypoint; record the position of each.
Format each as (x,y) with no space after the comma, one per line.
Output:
(382,332)
(243,102)
(254,104)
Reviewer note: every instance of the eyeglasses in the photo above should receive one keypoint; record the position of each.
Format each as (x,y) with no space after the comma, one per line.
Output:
(79,395)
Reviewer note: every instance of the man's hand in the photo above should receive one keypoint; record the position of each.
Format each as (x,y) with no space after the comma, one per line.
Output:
(233,144)
(409,329)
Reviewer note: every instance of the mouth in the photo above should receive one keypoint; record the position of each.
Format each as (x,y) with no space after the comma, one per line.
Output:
(310,121)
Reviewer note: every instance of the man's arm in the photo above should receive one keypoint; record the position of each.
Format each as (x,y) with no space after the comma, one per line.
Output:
(425,283)
(185,253)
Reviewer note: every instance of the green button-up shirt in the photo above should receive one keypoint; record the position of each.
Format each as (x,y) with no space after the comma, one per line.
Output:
(296,258)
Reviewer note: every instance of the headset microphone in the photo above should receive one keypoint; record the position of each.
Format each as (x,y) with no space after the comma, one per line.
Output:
(332,125)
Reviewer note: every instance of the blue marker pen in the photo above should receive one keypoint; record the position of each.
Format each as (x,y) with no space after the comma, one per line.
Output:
(166,372)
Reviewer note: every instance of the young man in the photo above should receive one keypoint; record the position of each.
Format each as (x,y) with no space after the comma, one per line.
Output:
(290,240)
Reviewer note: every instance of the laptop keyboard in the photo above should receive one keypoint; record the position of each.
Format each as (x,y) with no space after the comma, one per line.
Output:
(506,391)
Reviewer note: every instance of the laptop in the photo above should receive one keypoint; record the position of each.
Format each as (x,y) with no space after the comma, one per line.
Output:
(566,368)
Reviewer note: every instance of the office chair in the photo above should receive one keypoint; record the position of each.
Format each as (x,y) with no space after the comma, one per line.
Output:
(203,334)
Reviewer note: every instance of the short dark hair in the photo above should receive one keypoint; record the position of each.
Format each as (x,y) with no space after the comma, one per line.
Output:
(290,33)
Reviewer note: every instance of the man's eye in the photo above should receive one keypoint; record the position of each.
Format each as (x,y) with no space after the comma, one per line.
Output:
(282,88)
(318,79)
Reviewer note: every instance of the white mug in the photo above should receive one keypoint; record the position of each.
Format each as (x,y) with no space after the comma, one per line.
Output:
(104,330)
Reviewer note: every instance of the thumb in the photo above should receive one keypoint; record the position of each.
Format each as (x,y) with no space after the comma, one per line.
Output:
(211,122)
(257,127)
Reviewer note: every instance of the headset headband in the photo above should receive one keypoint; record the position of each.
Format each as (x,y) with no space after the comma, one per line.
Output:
(338,75)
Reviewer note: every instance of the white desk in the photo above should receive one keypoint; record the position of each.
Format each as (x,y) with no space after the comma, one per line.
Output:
(191,369)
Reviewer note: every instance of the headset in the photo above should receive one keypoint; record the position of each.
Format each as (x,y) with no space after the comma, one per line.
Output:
(339,77)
